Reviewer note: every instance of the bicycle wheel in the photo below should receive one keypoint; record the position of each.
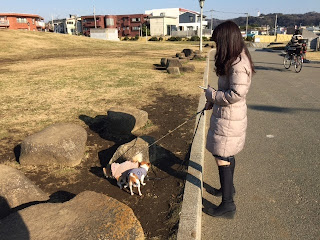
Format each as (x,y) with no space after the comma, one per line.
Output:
(298,64)
(287,61)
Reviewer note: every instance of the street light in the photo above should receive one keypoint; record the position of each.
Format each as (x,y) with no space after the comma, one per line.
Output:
(201,2)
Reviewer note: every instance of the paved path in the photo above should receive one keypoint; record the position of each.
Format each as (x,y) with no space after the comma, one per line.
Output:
(277,174)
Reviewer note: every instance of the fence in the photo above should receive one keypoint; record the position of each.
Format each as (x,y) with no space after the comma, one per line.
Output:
(268,39)
(190,33)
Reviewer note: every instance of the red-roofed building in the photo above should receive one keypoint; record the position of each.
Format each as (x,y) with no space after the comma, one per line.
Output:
(127,25)
(21,21)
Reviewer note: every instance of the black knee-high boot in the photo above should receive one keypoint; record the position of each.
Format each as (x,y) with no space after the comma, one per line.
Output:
(218,192)
(227,207)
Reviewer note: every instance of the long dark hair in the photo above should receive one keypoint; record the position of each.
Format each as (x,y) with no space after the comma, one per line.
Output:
(230,44)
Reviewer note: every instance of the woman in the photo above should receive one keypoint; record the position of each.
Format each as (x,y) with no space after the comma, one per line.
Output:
(228,123)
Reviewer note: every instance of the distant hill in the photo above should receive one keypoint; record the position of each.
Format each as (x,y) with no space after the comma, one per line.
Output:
(284,20)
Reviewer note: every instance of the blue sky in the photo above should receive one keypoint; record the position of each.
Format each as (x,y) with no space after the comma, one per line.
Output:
(62,8)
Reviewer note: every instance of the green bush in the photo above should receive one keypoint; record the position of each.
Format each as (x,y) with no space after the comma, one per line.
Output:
(154,39)
(174,39)
(249,38)
(195,38)
(160,38)
(205,39)
(125,38)
(136,37)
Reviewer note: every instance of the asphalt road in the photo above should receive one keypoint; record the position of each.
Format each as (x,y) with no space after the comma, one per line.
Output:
(277,174)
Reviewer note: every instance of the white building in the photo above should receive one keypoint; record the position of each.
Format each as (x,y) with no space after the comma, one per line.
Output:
(71,25)
(165,21)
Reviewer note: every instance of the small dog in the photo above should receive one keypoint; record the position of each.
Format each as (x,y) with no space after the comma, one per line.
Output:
(134,177)
(115,169)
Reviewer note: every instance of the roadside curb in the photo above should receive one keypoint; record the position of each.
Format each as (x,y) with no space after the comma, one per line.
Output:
(191,211)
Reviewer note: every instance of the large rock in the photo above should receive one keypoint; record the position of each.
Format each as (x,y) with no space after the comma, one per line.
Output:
(127,151)
(89,215)
(173,70)
(173,63)
(123,121)
(61,144)
(188,68)
(16,189)
(187,52)
(163,62)
(197,56)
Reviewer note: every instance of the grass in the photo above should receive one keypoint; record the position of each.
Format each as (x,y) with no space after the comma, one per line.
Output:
(313,56)
(48,78)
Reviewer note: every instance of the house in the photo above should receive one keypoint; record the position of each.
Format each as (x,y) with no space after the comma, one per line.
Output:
(131,25)
(313,39)
(71,25)
(127,25)
(88,22)
(21,21)
(175,21)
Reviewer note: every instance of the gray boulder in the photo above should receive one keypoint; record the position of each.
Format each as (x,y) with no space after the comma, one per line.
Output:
(163,62)
(197,56)
(127,151)
(174,70)
(16,189)
(188,68)
(61,144)
(187,52)
(89,215)
(173,63)
(123,121)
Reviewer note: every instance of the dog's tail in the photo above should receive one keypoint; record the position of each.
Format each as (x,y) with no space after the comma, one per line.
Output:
(137,158)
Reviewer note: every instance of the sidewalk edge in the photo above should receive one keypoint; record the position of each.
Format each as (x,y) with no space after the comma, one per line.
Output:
(191,211)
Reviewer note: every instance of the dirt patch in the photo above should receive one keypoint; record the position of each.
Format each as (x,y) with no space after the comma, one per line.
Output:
(158,209)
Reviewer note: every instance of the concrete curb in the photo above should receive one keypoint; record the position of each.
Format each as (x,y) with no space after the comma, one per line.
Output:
(191,211)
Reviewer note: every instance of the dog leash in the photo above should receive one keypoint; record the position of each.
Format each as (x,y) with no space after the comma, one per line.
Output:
(171,131)
(200,112)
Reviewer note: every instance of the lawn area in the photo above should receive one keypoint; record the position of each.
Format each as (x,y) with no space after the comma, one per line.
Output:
(313,56)
(48,78)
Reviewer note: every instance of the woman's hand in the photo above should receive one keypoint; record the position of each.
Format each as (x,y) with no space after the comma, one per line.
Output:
(208,106)
(210,94)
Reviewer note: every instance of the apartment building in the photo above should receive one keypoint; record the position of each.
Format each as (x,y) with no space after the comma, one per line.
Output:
(131,25)
(21,21)
(127,25)
(174,20)
(88,22)
(71,25)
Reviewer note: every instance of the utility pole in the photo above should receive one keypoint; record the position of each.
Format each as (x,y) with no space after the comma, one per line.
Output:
(94,16)
(201,16)
(275,25)
(247,25)
(52,23)
(211,21)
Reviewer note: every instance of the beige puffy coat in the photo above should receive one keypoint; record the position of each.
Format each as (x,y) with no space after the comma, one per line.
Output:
(228,123)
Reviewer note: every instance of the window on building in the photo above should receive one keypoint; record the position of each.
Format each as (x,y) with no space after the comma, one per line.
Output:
(21,20)
(191,18)
(110,21)
(135,19)
(33,21)
(162,14)
(135,28)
